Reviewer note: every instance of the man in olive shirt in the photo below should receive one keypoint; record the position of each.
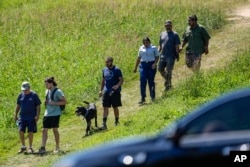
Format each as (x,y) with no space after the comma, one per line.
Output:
(197,39)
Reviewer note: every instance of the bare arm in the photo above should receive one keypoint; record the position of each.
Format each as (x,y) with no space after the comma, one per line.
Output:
(159,48)
(58,103)
(118,84)
(206,47)
(38,109)
(16,112)
(101,87)
(62,101)
(182,46)
(156,60)
(155,63)
(177,49)
(136,64)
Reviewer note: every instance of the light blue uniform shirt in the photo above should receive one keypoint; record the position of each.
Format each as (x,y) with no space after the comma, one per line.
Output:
(148,54)
(53,110)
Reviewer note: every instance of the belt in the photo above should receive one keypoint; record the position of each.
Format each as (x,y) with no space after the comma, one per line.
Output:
(147,61)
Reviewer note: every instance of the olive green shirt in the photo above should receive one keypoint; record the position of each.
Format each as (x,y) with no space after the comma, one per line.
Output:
(196,39)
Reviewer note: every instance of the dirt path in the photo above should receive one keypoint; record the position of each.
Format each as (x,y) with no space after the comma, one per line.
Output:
(223,45)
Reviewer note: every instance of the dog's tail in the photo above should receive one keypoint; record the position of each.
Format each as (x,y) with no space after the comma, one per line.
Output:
(85,102)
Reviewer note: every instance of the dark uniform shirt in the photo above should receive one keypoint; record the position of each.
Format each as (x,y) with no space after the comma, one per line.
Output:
(195,39)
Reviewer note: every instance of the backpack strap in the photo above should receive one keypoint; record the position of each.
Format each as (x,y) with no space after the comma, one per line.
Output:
(52,95)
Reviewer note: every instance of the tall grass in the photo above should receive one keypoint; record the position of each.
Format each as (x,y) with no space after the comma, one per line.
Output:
(202,86)
(69,39)
(176,103)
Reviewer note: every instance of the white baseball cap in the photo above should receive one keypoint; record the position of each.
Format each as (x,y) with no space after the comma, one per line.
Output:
(25,85)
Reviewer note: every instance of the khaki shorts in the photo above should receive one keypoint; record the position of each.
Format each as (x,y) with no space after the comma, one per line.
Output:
(193,60)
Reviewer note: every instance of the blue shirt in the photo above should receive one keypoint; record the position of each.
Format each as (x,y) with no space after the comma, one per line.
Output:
(168,42)
(111,77)
(148,54)
(53,110)
(28,105)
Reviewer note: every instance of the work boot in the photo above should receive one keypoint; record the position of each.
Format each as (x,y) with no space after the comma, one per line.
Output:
(117,123)
(142,101)
(167,88)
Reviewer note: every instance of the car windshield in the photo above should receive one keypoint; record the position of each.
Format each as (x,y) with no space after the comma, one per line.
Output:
(230,114)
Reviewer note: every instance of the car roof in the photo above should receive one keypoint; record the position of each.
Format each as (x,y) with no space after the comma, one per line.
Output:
(203,108)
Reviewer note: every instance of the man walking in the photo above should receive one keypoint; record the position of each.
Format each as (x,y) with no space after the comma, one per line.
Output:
(110,89)
(169,47)
(54,98)
(28,103)
(197,39)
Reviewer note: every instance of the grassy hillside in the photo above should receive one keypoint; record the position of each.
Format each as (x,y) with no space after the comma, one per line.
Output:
(69,39)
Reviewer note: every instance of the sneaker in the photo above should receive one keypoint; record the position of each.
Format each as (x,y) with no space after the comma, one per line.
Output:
(103,127)
(30,151)
(142,101)
(42,150)
(57,150)
(22,150)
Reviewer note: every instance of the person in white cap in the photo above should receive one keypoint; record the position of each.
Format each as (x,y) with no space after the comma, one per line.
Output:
(28,107)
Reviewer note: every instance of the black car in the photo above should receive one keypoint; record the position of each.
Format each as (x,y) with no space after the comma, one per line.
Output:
(204,137)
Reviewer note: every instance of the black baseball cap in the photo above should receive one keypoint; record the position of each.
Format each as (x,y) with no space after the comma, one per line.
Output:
(109,59)
(192,17)
(168,22)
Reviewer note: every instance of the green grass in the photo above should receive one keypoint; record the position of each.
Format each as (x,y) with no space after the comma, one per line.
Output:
(69,39)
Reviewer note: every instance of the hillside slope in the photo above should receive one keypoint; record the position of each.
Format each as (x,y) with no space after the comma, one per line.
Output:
(223,45)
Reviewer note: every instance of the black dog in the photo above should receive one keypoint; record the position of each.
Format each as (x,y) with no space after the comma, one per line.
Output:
(89,112)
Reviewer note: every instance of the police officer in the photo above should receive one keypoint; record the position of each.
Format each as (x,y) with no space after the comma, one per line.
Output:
(148,56)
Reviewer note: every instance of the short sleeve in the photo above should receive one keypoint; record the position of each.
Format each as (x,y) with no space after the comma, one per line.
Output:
(37,100)
(157,54)
(18,99)
(177,39)
(118,72)
(59,94)
(205,34)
